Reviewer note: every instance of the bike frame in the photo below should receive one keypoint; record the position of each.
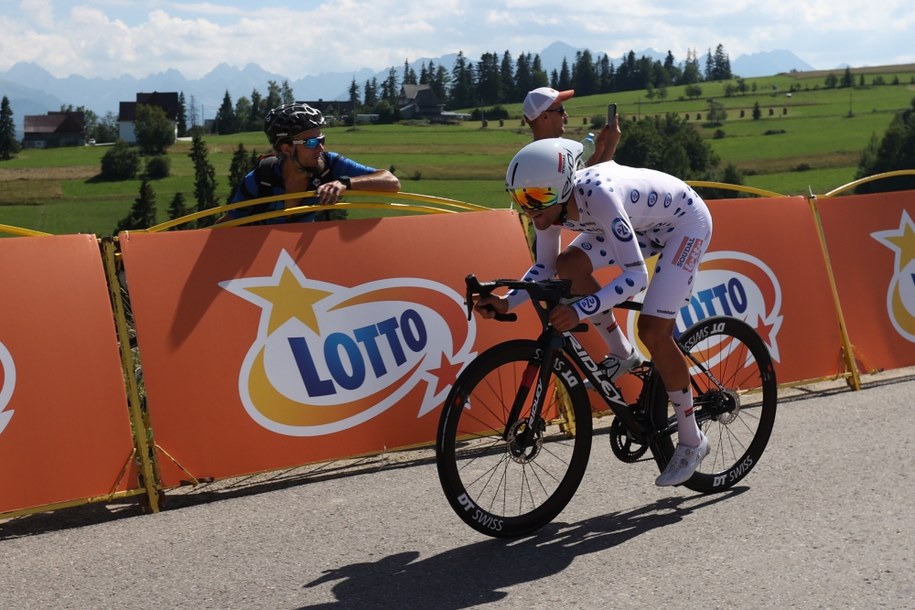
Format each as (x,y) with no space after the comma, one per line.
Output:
(551,342)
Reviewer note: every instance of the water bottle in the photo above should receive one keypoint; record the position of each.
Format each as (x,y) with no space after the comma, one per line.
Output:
(587,147)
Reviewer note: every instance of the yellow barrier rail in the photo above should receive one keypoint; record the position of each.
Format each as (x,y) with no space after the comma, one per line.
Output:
(21,232)
(734,187)
(351,201)
(874,178)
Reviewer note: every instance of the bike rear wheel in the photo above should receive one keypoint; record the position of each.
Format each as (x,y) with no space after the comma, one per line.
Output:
(735,399)
(503,479)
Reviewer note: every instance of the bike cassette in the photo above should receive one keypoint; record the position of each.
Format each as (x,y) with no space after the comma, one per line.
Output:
(625,448)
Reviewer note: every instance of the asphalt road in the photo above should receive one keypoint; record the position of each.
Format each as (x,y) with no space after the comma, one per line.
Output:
(826,520)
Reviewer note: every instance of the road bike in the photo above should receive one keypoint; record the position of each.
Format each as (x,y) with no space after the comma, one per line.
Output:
(514,436)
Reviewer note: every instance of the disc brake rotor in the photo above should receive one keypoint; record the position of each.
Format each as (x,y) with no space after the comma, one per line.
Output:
(524,444)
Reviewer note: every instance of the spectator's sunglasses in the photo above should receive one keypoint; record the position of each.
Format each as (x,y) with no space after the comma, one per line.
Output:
(311,142)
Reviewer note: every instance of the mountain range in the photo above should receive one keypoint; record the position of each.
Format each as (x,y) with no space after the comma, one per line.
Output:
(32,90)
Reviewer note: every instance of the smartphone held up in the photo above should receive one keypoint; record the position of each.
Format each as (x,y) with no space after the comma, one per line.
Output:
(611,113)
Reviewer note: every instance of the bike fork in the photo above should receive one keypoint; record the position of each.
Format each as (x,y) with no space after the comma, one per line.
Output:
(537,375)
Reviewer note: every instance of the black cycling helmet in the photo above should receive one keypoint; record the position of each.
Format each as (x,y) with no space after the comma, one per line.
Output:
(285,121)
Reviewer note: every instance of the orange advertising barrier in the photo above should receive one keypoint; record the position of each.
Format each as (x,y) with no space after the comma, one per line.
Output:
(271,346)
(64,429)
(764,265)
(871,242)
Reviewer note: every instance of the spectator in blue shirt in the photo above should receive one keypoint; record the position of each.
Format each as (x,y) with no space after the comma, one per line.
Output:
(300,164)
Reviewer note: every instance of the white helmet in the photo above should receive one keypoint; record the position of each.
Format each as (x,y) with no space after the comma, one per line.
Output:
(541,173)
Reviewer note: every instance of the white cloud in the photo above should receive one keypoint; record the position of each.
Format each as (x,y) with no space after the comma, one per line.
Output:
(112,37)
(39,12)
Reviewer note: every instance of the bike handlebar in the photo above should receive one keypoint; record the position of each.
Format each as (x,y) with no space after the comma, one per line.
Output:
(550,292)
(474,286)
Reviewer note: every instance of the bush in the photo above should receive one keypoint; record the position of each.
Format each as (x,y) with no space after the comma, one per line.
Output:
(598,121)
(121,162)
(158,167)
(493,113)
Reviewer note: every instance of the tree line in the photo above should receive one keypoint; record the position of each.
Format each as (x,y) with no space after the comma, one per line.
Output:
(504,80)
(490,81)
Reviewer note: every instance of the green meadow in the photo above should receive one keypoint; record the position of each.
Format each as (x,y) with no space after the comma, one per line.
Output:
(810,140)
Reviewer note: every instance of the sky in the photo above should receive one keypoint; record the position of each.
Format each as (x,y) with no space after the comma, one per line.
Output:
(108,38)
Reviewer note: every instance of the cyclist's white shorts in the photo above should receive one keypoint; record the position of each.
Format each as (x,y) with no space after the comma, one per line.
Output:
(673,272)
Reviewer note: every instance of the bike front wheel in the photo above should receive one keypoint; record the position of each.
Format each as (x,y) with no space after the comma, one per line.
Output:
(735,397)
(508,478)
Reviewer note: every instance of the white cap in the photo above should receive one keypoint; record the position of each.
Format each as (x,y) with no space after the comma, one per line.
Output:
(542,98)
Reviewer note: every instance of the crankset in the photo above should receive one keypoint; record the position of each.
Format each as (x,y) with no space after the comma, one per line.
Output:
(625,448)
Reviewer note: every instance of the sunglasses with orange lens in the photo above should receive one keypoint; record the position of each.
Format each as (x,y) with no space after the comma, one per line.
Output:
(533,198)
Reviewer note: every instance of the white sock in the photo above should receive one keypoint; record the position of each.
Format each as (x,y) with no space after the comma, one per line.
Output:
(687,429)
(613,336)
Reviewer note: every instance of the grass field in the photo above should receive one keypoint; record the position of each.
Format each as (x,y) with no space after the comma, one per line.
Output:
(811,140)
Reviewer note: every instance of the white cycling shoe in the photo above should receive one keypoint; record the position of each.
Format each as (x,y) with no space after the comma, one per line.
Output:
(614,366)
(684,463)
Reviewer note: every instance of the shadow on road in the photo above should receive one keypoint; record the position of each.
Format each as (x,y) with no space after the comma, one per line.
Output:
(474,574)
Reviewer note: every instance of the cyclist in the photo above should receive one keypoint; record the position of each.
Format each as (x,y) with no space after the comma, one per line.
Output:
(301,163)
(623,215)
(546,115)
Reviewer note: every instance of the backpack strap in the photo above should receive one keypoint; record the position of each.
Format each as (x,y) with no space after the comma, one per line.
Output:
(266,179)
(266,176)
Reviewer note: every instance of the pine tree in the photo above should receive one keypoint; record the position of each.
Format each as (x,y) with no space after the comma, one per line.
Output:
(181,124)
(274,98)
(523,77)
(239,168)
(389,89)
(226,121)
(507,77)
(255,121)
(9,146)
(721,65)
(354,96)
(204,180)
(287,95)
(371,93)
(565,76)
(584,74)
(488,83)
(462,93)
(409,74)
(178,208)
(143,212)
(440,82)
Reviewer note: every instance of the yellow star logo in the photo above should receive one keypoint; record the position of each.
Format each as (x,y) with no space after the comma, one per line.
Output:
(901,240)
(283,296)
(288,300)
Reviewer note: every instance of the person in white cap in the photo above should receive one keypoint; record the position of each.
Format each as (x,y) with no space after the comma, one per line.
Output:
(545,113)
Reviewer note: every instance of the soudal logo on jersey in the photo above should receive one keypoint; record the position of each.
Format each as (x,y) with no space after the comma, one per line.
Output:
(738,285)
(328,357)
(900,297)
(687,254)
(7,385)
